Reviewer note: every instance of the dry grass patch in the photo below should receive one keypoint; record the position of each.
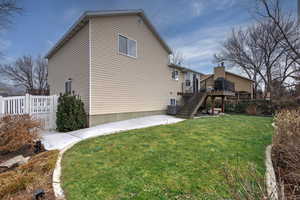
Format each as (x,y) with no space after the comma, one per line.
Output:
(286,152)
(24,180)
(17,131)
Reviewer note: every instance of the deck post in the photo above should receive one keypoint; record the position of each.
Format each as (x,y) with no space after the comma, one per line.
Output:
(223,104)
(212,105)
(205,105)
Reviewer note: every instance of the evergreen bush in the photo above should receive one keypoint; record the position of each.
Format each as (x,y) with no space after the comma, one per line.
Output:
(70,113)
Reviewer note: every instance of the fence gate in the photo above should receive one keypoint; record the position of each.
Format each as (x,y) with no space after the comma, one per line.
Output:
(42,108)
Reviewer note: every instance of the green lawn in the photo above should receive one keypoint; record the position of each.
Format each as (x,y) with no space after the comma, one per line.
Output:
(178,161)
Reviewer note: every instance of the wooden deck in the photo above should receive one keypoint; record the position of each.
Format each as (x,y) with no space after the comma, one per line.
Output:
(220,93)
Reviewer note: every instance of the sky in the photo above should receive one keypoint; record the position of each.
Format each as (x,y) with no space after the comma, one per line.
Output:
(196,28)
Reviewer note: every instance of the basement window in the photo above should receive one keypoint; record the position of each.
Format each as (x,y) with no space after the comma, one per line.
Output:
(173,102)
(68,86)
(127,46)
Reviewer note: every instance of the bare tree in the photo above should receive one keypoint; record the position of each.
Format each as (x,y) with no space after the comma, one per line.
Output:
(239,52)
(256,51)
(287,25)
(8,8)
(30,74)
(41,74)
(177,57)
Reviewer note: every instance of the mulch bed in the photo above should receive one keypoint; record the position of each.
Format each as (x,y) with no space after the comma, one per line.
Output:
(20,182)
(26,150)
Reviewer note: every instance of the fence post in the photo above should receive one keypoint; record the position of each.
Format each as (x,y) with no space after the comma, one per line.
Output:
(54,99)
(27,103)
(1,105)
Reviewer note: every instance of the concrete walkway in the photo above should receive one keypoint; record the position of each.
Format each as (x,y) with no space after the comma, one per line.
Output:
(55,140)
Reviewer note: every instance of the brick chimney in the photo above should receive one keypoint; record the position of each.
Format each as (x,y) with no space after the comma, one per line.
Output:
(219,72)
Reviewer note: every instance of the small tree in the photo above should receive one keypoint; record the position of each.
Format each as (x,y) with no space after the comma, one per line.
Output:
(29,73)
(70,113)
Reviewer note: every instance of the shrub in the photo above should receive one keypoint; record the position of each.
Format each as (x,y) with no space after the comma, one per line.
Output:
(251,109)
(70,114)
(243,183)
(229,107)
(17,131)
(286,151)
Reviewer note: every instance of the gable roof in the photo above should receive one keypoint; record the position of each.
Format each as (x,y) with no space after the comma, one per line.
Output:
(243,77)
(84,19)
(184,69)
(207,76)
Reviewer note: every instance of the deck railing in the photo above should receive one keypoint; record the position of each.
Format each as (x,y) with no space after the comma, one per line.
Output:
(221,84)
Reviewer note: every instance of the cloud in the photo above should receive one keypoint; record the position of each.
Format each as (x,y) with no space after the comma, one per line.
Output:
(223,4)
(4,44)
(199,46)
(71,14)
(197,8)
(50,43)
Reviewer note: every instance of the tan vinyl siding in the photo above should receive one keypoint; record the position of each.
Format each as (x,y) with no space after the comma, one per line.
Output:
(240,84)
(122,84)
(72,61)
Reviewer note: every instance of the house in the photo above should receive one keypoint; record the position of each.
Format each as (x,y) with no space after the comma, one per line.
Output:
(119,65)
(219,85)
(242,86)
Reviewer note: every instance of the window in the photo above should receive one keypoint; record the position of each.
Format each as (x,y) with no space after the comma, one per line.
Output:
(175,75)
(68,86)
(187,82)
(127,47)
(173,102)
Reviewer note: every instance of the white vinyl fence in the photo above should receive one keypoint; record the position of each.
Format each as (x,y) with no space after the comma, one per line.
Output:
(42,108)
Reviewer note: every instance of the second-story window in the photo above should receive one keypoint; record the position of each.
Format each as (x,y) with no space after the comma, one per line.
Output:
(175,75)
(127,46)
(187,83)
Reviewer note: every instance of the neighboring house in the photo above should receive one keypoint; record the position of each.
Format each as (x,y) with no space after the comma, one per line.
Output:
(243,87)
(119,65)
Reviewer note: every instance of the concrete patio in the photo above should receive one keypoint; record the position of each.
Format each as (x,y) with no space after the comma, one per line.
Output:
(55,140)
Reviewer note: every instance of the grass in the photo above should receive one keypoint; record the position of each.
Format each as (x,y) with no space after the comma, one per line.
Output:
(20,184)
(178,161)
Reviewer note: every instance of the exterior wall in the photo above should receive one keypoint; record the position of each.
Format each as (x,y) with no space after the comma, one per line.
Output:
(121,84)
(72,61)
(240,83)
(106,118)
(208,83)
(189,76)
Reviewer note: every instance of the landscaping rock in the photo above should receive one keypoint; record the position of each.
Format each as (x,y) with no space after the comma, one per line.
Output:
(13,162)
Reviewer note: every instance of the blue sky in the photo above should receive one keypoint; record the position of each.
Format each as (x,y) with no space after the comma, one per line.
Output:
(194,27)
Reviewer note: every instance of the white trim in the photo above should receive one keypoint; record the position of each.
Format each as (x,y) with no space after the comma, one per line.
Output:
(129,38)
(90,67)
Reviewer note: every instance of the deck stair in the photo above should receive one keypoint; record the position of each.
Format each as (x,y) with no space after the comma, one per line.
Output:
(192,106)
